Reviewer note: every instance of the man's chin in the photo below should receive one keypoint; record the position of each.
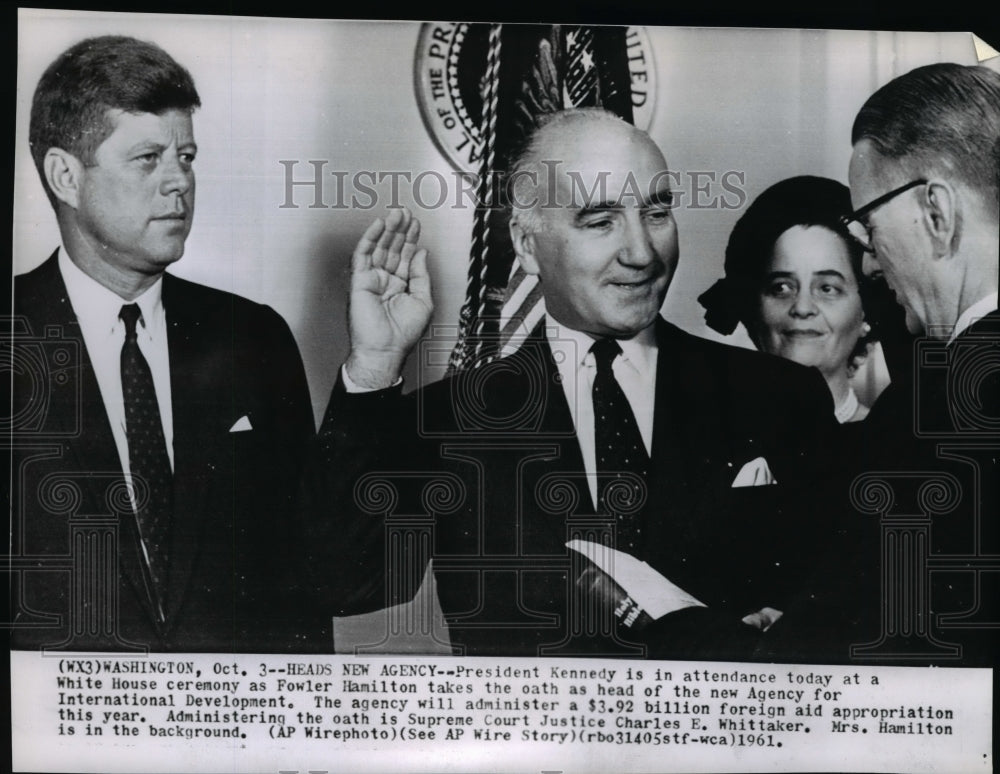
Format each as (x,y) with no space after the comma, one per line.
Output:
(628,329)
(157,262)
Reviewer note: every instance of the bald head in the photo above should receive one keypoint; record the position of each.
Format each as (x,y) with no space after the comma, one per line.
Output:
(591,218)
(579,158)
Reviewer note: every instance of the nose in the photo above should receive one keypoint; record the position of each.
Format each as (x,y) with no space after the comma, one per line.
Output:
(178,177)
(869,266)
(803,304)
(638,250)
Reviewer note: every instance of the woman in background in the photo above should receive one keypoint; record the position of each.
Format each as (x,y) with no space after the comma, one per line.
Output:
(794,279)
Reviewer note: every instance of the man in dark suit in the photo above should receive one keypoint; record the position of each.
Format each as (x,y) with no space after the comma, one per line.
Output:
(151,496)
(609,428)
(924,176)
(915,578)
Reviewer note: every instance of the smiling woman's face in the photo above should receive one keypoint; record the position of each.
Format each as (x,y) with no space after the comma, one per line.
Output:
(810,307)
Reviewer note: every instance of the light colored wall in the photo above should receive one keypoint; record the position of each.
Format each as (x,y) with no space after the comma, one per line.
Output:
(766,103)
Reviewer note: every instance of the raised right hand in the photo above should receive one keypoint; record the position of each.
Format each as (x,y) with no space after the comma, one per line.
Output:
(390,300)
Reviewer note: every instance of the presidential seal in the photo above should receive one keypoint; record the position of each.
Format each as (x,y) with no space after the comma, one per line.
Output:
(539,68)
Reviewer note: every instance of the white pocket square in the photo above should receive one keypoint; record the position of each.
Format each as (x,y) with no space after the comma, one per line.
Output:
(754,473)
(763,619)
(242,425)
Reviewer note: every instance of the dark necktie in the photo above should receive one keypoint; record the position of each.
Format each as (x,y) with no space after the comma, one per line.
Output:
(619,450)
(148,460)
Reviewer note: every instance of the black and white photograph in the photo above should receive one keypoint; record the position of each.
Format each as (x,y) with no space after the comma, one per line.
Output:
(499,396)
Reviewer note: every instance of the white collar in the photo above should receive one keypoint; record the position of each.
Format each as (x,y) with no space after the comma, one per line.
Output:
(96,306)
(848,406)
(978,310)
(640,350)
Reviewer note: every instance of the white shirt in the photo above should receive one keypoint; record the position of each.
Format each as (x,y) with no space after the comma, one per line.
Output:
(635,370)
(978,310)
(96,309)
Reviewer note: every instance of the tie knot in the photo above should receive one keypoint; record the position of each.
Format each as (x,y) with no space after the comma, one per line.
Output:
(605,351)
(130,315)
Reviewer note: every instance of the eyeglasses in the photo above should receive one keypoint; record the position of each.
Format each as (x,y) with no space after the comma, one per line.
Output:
(855,222)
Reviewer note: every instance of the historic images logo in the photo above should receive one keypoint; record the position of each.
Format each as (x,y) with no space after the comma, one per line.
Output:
(449,79)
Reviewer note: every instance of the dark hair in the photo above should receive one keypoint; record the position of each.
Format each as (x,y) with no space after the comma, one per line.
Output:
(939,115)
(72,99)
(797,201)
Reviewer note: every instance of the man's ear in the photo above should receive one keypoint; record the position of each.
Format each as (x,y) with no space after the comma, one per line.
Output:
(64,174)
(942,216)
(524,245)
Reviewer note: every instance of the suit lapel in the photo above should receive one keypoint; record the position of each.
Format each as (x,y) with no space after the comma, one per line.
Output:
(987,324)
(688,440)
(92,450)
(555,427)
(93,445)
(556,418)
(195,388)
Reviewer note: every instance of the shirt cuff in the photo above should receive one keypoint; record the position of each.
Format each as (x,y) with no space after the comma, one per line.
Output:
(352,387)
